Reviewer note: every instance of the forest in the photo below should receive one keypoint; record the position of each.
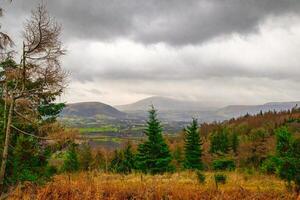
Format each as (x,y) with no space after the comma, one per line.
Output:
(248,157)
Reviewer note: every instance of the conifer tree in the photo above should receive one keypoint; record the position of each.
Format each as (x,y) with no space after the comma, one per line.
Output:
(193,147)
(123,161)
(71,163)
(129,159)
(219,141)
(235,142)
(154,155)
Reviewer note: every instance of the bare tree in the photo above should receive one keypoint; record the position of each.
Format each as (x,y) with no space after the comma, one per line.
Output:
(37,79)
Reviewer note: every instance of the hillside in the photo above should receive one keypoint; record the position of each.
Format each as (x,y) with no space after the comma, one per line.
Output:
(166,104)
(91,109)
(170,110)
(239,110)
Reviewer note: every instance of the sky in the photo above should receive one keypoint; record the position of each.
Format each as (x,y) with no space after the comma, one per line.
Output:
(224,51)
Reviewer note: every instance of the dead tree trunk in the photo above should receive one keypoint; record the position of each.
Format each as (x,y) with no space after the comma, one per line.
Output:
(6,144)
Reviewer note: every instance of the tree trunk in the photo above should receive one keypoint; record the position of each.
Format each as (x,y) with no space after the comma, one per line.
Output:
(6,144)
(5,109)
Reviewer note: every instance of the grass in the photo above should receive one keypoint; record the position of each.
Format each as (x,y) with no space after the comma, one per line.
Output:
(184,185)
(108,139)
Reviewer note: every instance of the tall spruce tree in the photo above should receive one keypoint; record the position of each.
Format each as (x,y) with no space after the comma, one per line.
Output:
(193,147)
(154,155)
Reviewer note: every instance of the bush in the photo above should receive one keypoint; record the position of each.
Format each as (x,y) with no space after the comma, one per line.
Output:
(201,177)
(271,164)
(223,164)
(220,179)
(71,163)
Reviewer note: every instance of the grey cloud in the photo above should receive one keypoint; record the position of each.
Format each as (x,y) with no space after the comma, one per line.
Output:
(175,22)
(184,73)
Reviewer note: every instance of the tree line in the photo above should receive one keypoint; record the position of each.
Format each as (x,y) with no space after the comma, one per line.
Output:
(34,146)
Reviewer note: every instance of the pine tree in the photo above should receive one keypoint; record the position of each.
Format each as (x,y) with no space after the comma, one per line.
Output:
(71,163)
(235,142)
(284,141)
(123,160)
(219,141)
(154,154)
(193,147)
(129,159)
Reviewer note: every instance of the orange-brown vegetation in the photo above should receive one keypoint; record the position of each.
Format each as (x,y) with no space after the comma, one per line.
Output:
(184,185)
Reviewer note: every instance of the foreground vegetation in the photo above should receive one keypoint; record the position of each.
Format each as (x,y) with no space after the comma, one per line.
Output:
(184,185)
(43,160)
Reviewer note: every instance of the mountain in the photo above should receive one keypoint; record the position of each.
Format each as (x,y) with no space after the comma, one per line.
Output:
(169,110)
(165,104)
(239,110)
(91,109)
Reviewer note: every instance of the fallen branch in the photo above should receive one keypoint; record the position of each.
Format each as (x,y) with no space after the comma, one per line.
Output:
(25,133)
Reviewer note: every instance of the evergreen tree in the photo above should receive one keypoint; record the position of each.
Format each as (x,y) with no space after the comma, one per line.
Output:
(193,147)
(154,154)
(284,141)
(123,160)
(129,159)
(288,156)
(219,141)
(71,163)
(235,142)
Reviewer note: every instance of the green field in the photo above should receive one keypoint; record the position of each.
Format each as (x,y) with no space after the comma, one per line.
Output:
(106,128)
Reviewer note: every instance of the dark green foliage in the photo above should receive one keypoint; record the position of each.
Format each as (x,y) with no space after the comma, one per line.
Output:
(200,176)
(28,161)
(154,155)
(287,157)
(284,142)
(234,142)
(289,169)
(123,161)
(296,148)
(71,163)
(220,179)
(129,159)
(223,164)
(219,141)
(85,156)
(50,111)
(270,165)
(193,147)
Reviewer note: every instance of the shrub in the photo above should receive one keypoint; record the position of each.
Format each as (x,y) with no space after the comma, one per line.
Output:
(200,176)
(71,163)
(220,179)
(223,164)
(270,165)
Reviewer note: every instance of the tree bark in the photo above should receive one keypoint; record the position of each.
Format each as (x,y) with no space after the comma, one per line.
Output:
(5,109)
(6,144)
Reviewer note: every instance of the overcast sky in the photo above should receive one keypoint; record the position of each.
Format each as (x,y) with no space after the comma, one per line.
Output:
(227,51)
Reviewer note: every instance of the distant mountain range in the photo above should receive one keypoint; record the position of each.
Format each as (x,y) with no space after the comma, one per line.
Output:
(91,109)
(171,109)
(238,110)
(166,104)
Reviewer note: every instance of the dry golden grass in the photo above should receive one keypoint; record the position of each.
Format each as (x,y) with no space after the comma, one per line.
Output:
(95,185)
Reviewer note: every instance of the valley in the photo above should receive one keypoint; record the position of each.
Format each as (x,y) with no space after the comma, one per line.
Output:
(110,127)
